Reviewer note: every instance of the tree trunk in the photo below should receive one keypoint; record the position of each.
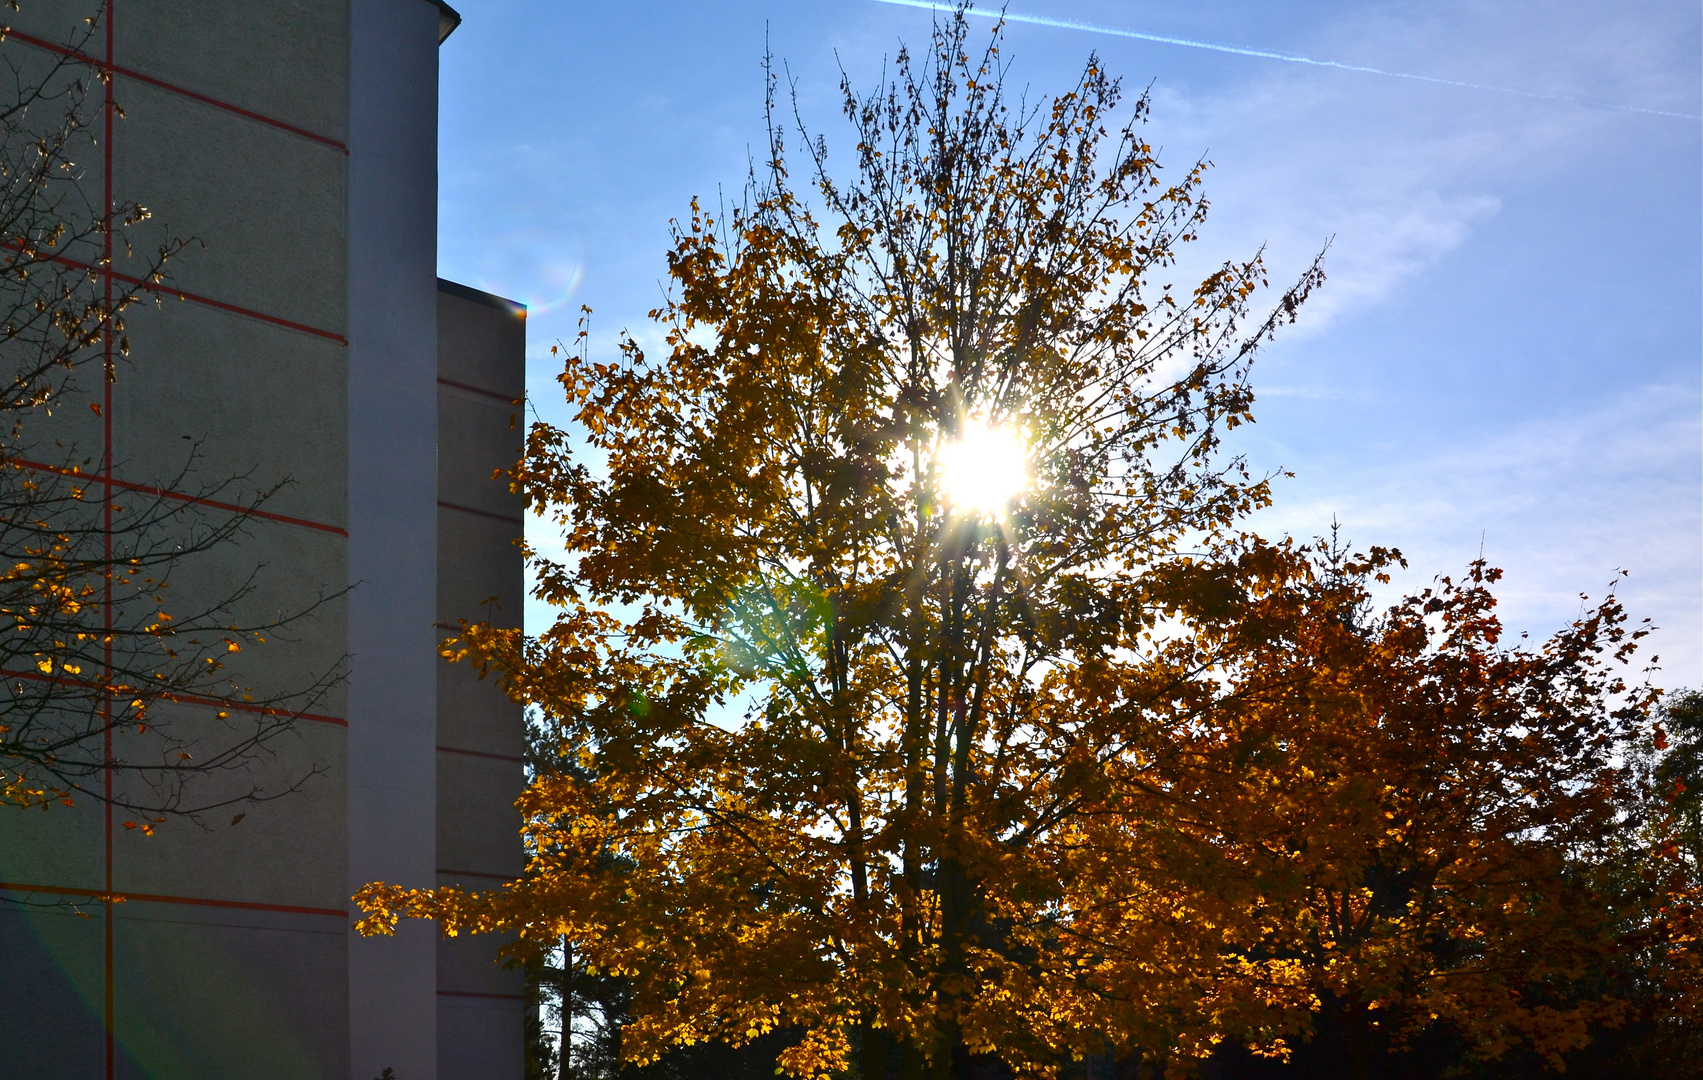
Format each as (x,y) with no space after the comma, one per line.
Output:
(565,995)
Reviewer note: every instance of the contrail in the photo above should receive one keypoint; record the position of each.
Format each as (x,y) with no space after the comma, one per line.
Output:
(1267,54)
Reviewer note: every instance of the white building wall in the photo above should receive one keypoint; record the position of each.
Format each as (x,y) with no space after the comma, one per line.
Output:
(297,139)
(393,111)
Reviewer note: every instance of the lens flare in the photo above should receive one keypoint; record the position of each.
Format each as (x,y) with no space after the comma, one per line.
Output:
(984,469)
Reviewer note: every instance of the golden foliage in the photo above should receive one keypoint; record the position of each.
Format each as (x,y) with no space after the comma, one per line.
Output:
(1097,774)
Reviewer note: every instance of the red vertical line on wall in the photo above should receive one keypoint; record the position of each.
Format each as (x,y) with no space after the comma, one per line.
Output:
(106,525)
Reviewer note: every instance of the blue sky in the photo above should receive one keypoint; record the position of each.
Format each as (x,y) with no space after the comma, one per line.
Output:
(1506,353)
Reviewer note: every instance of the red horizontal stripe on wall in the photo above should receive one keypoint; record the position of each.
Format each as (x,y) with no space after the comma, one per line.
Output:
(222,306)
(479,390)
(185,699)
(157,898)
(130,73)
(481,753)
(96,478)
(482,513)
(192,699)
(158,287)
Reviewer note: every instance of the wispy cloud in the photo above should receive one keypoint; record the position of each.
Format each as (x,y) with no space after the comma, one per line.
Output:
(1269,54)
(1563,503)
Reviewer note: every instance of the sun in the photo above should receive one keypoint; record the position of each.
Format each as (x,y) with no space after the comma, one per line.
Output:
(984,469)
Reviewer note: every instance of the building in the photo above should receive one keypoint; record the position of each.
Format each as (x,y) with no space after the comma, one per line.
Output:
(297,140)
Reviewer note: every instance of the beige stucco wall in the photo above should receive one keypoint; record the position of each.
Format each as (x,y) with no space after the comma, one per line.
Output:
(481,379)
(228,957)
(228,954)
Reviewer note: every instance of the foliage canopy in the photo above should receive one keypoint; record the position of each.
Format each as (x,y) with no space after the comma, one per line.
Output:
(1092,773)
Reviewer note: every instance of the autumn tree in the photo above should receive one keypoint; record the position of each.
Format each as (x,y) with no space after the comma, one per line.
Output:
(575,1033)
(92,644)
(921,701)
(1678,772)
(1425,817)
(856,568)
(1651,876)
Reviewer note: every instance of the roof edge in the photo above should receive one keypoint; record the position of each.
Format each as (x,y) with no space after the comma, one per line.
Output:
(479,296)
(448,20)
